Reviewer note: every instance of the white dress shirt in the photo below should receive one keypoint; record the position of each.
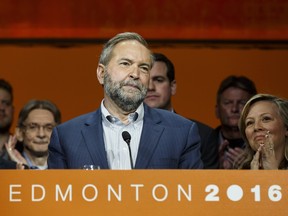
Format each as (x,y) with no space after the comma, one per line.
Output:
(116,148)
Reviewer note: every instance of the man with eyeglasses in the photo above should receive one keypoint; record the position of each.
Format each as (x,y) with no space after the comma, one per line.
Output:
(36,121)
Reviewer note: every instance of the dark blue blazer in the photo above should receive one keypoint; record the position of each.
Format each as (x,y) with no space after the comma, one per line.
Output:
(168,141)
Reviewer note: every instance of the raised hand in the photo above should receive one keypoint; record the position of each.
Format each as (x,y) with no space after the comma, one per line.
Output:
(265,158)
(235,156)
(230,157)
(13,153)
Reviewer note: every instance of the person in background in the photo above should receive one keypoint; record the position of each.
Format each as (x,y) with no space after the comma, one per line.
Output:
(36,121)
(264,126)
(6,119)
(233,93)
(162,87)
(125,133)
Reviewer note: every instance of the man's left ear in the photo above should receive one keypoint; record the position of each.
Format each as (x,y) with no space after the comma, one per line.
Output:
(173,87)
(100,73)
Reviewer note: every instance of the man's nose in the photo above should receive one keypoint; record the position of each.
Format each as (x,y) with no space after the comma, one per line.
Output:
(135,72)
(235,108)
(151,85)
(41,131)
(2,106)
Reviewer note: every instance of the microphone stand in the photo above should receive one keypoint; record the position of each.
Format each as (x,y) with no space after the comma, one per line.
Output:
(127,138)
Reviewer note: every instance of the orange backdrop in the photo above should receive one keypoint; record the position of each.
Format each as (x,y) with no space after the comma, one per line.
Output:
(67,75)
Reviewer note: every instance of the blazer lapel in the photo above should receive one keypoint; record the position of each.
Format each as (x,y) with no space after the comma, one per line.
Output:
(149,139)
(93,136)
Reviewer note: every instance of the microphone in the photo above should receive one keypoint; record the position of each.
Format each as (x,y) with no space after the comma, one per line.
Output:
(127,138)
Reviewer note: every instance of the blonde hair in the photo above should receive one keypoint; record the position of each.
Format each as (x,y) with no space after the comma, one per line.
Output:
(281,104)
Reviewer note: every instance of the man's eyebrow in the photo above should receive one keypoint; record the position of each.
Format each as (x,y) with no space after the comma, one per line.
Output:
(131,61)
(125,59)
(158,76)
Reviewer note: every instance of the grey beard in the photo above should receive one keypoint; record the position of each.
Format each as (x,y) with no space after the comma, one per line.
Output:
(116,93)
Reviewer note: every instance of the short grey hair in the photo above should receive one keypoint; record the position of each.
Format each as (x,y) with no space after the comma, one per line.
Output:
(106,53)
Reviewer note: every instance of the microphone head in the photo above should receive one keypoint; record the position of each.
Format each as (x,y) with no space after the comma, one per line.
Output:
(126,137)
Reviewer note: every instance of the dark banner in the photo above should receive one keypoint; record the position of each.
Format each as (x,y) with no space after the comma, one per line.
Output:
(154,19)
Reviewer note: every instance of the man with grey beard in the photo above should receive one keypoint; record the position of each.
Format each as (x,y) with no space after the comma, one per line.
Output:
(124,133)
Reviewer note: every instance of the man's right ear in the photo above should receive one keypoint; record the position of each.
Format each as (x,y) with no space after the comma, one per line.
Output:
(19,134)
(100,73)
(173,87)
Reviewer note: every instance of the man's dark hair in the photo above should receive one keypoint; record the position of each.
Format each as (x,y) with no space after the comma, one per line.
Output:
(39,104)
(240,82)
(7,87)
(170,67)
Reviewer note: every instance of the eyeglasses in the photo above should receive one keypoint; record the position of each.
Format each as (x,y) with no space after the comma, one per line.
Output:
(34,127)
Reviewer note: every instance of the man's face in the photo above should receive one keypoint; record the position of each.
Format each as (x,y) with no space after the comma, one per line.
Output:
(6,111)
(160,89)
(126,76)
(37,132)
(230,106)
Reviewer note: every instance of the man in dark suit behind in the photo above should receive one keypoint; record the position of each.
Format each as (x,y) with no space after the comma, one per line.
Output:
(6,118)
(7,164)
(162,87)
(156,139)
(233,93)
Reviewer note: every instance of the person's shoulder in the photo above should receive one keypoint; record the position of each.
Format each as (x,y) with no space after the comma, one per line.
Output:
(202,125)
(217,129)
(168,117)
(7,164)
(87,118)
(215,132)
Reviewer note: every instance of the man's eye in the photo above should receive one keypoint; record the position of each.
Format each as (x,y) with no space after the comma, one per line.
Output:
(6,103)
(227,103)
(31,127)
(49,128)
(159,80)
(125,63)
(145,69)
